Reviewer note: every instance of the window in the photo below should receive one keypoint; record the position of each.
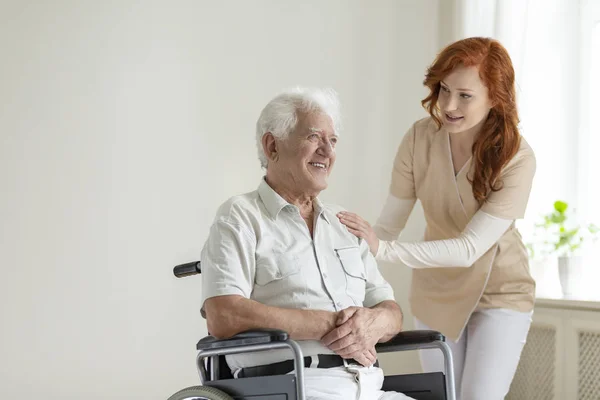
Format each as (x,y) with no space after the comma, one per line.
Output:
(589,134)
(555,49)
(559,101)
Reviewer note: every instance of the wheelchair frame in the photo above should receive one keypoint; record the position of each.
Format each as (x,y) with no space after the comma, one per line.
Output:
(210,348)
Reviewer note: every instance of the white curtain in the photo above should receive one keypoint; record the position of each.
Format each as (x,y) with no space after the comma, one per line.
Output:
(551,45)
(589,132)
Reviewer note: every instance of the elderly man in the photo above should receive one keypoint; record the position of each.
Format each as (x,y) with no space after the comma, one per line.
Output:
(279,258)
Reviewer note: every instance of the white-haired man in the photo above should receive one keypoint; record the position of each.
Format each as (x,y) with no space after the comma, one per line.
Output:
(279,258)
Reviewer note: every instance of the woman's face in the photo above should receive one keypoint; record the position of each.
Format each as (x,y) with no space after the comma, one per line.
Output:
(463,100)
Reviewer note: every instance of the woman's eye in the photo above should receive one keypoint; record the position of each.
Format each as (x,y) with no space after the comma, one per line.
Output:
(445,89)
(466,96)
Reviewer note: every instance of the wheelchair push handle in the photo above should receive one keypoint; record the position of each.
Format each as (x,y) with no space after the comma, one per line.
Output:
(187,269)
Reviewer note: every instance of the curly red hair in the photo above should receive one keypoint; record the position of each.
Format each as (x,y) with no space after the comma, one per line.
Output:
(499,139)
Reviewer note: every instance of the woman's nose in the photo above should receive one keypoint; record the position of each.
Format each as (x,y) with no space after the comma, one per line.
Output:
(451,103)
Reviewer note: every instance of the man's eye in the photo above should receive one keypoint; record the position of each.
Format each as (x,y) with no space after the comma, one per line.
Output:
(313,136)
(333,142)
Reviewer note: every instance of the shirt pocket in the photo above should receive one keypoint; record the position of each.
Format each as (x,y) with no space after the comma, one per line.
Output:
(276,268)
(354,271)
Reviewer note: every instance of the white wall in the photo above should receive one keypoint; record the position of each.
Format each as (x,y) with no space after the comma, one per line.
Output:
(124,124)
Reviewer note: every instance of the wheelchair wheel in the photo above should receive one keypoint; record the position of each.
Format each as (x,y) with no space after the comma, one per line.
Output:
(200,393)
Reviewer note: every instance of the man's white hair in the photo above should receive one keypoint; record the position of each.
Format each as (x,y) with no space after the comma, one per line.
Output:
(280,115)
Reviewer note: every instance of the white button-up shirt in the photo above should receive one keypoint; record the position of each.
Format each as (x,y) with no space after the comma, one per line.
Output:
(259,247)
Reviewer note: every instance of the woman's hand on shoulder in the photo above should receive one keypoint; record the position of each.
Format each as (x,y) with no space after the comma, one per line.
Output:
(361,228)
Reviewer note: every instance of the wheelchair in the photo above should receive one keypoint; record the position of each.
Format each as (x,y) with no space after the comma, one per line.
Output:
(217,382)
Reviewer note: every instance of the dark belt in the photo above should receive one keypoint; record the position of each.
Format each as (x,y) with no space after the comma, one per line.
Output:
(284,367)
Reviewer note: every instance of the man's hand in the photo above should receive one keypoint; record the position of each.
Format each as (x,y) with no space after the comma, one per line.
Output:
(358,330)
(367,358)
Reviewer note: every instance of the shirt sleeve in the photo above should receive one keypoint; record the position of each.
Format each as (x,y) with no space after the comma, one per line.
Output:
(227,261)
(403,182)
(393,217)
(516,179)
(377,289)
(480,234)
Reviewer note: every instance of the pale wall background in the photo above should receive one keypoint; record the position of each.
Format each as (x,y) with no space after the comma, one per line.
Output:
(124,124)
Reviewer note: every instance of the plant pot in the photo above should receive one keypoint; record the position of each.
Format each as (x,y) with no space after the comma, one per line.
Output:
(545,273)
(569,273)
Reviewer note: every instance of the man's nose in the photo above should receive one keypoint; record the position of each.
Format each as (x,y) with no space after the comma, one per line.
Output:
(326,148)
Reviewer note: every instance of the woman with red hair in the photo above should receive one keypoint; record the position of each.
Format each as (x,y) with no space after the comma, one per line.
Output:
(472,172)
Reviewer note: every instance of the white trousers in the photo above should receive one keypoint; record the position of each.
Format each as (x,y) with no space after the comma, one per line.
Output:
(487,354)
(347,383)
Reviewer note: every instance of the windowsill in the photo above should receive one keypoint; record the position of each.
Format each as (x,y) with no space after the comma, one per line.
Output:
(569,302)
(549,291)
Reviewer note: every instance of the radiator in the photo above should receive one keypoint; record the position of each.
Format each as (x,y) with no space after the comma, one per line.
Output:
(561,359)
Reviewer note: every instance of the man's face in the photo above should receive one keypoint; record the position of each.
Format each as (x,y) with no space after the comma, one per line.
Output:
(463,100)
(307,156)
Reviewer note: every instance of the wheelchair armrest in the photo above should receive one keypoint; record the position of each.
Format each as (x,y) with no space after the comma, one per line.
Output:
(258,336)
(409,340)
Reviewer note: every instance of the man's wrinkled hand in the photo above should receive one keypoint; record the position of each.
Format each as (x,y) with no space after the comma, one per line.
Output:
(345,315)
(356,335)
(367,358)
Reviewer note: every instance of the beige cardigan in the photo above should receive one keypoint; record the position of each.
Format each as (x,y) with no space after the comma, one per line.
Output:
(444,298)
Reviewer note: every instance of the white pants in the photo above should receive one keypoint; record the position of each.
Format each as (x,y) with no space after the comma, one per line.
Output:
(347,383)
(487,354)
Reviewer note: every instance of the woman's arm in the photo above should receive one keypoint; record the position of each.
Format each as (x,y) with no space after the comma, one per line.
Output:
(479,236)
(393,217)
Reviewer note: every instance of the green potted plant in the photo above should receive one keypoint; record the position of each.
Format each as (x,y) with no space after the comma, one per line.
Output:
(559,234)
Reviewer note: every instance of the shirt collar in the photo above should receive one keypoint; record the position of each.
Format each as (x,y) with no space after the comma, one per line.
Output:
(321,209)
(274,203)
(271,199)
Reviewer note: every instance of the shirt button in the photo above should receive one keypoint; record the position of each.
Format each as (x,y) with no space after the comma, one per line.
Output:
(324,274)
(340,305)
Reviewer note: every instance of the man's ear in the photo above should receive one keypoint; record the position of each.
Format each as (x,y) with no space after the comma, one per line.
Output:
(270,147)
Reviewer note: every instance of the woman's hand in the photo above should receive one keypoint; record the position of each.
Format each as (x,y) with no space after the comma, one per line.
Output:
(361,228)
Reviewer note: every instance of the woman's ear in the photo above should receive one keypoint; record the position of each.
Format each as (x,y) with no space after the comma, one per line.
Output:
(269,144)
(492,103)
